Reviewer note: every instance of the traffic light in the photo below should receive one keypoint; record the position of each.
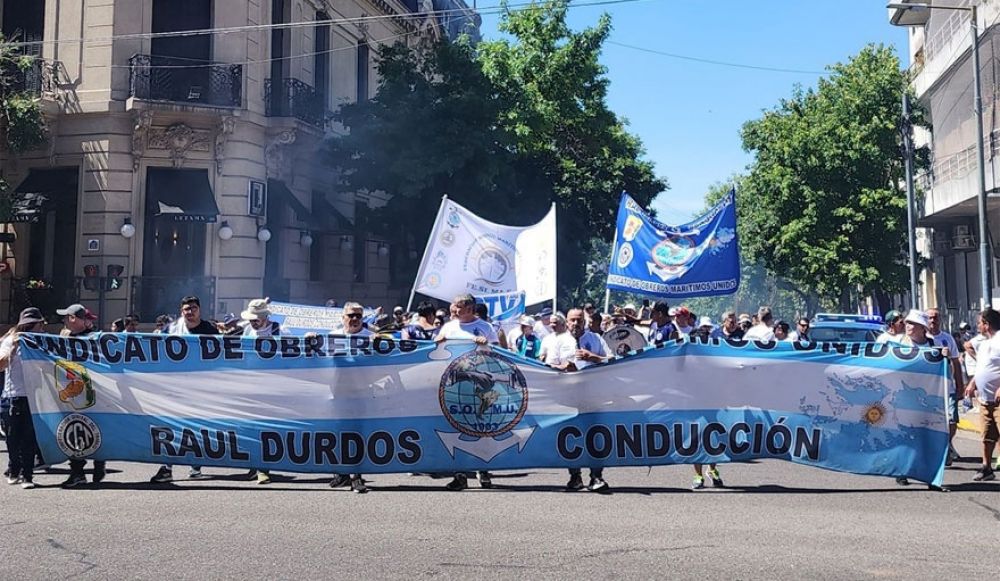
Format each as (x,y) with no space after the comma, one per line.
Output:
(114,280)
(90,280)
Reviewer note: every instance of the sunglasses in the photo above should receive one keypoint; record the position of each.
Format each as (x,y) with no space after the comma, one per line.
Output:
(353,315)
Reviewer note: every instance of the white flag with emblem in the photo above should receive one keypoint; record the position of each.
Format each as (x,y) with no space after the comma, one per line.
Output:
(467,254)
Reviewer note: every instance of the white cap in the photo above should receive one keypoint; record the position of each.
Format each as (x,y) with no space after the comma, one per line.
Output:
(629,307)
(526,320)
(706,322)
(918,318)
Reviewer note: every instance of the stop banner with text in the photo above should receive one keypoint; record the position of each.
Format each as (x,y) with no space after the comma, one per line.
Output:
(331,403)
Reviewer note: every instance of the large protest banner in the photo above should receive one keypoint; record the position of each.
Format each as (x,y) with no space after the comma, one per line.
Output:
(467,254)
(337,404)
(700,258)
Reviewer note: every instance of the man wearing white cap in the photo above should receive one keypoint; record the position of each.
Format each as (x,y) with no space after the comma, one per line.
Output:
(258,318)
(526,344)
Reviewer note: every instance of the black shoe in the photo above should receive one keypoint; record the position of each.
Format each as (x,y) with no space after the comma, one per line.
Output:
(985,474)
(251,475)
(485,479)
(358,485)
(575,482)
(162,475)
(459,482)
(902,481)
(99,474)
(598,485)
(935,488)
(74,480)
(339,480)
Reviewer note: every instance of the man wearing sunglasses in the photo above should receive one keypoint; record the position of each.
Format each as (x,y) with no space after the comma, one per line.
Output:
(353,321)
(894,328)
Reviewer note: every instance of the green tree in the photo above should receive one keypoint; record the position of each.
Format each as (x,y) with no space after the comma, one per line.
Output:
(22,127)
(822,202)
(505,128)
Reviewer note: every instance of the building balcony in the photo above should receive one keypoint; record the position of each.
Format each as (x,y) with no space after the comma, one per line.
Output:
(186,81)
(294,98)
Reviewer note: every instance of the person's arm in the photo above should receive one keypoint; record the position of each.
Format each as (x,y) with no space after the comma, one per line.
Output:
(502,338)
(7,350)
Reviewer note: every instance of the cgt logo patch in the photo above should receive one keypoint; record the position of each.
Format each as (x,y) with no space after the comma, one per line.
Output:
(78,436)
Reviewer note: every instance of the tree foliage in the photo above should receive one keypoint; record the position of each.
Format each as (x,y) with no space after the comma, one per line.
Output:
(504,128)
(822,204)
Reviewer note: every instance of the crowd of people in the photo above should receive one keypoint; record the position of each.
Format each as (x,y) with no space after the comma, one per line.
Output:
(567,341)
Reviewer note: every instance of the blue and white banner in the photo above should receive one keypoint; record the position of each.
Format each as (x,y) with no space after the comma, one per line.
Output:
(504,308)
(467,254)
(302,319)
(360,404)
(700,258)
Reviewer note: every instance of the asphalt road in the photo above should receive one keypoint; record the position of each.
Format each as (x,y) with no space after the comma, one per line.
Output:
(775,520)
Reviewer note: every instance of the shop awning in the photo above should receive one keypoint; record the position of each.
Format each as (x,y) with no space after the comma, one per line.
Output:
(34,196)
(183,195)
(279,192)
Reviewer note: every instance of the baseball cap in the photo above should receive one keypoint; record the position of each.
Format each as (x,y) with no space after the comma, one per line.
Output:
(526,320)
(30,316)
(77,310)
(398,309)
(745,318)
(917,318)
(892,316)
(963,325)
(706,322)
(672,312)
(683,311)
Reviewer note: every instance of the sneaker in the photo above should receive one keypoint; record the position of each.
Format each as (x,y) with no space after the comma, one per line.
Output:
(698,483)
(27,485)
(358,485)
(164,474)
(263,478)
(953,454)
(339,480)
(935,488)
(459,482)
(251,475)
(984,475)
(575,482)
(196,474)
(99,474)
(74,480)
(485,479)
(14,480)
(902,481)
(598,485)
(713,473)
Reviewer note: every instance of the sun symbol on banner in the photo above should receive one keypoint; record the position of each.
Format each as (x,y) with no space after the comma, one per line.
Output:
(874,414)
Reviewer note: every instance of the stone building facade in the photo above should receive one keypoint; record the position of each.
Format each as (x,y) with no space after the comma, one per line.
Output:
(183,163)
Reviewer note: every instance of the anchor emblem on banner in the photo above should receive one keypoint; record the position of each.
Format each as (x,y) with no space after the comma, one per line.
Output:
(484,396)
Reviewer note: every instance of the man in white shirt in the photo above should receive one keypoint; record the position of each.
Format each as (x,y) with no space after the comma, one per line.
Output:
(259,323)
(466,325)
(894,328)
(590,349)
(985,384)
(762,330)
(943,338)
(558,347)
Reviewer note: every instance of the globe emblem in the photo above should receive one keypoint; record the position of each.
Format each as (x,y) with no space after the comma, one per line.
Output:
(483,394)
(492,265)
(674,252)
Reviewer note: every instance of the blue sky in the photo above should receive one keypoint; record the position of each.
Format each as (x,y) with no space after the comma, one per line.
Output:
(689,114)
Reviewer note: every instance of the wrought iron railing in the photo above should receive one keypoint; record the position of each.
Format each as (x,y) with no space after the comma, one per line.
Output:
(161,295)
(162,78)
(294,98)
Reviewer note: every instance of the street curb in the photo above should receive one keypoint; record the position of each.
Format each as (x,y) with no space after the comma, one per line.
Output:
(964,424)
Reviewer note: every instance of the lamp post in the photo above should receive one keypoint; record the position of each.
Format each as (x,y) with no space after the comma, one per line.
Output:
(984,245)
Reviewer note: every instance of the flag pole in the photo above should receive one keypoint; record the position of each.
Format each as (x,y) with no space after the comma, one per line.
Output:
(614,247)
(555,262)
(423,260)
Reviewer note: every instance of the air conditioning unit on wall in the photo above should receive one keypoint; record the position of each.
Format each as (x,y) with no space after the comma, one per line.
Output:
(963,242)
(962,230)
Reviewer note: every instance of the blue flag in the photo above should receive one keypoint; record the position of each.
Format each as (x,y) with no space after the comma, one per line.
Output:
(700,258)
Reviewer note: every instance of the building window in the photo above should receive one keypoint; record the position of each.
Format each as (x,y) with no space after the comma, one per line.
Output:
(321,58)
(362,71)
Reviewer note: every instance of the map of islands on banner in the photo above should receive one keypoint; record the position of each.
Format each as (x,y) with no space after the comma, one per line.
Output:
(332,403)
(467,254)
(700,258)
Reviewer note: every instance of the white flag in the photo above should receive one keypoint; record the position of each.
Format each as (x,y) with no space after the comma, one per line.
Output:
(466,254)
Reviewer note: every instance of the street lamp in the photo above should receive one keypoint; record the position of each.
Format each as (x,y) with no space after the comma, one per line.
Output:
(984,247)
